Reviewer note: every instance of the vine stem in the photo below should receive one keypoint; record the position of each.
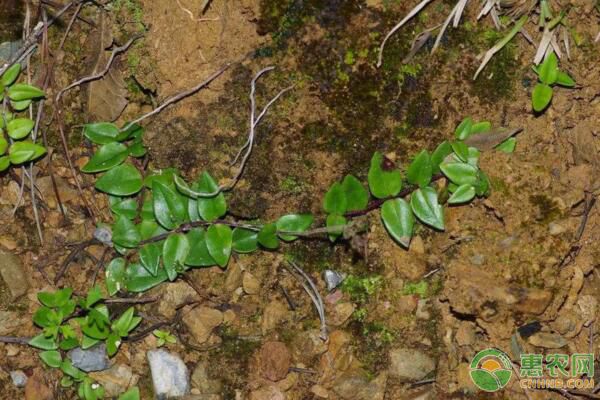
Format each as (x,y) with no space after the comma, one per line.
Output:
(15,340)
(324,230)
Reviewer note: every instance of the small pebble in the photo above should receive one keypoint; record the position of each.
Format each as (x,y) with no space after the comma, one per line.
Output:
(19,378)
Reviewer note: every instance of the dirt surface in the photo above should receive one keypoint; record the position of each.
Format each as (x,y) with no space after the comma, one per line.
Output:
(511,263)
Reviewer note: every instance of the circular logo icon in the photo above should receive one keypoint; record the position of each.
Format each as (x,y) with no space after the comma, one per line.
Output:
(490,370)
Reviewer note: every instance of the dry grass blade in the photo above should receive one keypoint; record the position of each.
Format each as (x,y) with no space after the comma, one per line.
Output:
(444,27)
(310,288)
(399,25)
(498,46)
(460,7)
(543,46)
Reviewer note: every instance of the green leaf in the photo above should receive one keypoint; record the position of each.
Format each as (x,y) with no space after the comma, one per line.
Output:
(210,208)
(382,181)
(267,237)
(87,342)
(101,132)
(461,150)
(125,207)
(19,128)
(42,342)
(94,295)
(541,97)
(424,203)
(293,223)
(175,251)
(460,173)
(357,197)
(140,280)
(164,176)
(443,150)
(55,299)
(463,194)
(420,170)
(20,105)
(199,255)
(122,180)
(169,207)
(131,394)
(244,240)
(219,239)
(121,325)
(52,358)
(115,276)
(21,91)
(564,79)
(150,257)
(10,75)
(4,163)
(125,234)
(20,152)
(548,70)
(107,157)
(335,200)
(463,130)
(508,146)
(67,367)
(68,344)
(337,222)
(482,186)
(3,145)
(45,317)
(481,127)
(399,220)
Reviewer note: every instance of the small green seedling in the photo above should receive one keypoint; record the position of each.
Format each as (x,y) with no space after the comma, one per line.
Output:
(164,337)
(62,317)
(548,75)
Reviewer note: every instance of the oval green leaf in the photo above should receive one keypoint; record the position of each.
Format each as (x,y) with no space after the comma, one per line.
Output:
(383,183)
(101,132)
(175,251)
(107,157)
(20,152)
(122,180)
(125,233)
(463,130)
(199,255)
(424,203)
(210,208)
(459,173)
(267,237)
(420,170)
(115,276)
(244,240)
(541,97)
(293,223)
(335,200)
(357,197)
(139,279)
(21,91)
(399,220)
(10,75)
(219,239)
(462,194)
(169,208)
(150,257)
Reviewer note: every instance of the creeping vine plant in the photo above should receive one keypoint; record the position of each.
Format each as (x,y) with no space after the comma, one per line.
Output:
(15,98)
(175,230)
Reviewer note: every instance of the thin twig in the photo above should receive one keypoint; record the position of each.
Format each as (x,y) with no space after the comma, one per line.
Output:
(180,96)
(254,120)
(73,18)
(15,340)
(30,43)
(72,256)
(310,288)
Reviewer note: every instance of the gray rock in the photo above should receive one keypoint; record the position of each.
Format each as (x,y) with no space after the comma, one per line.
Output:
(333,278)
(19,378)
(92,359)
(114,380)
(477,259)
(410,364)
(12,273)
(547,340)
(355,385)
(170,376)
(202,382)
(7,49)
(10,322)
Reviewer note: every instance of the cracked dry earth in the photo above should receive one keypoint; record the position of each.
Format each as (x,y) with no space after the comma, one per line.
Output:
(516,271)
